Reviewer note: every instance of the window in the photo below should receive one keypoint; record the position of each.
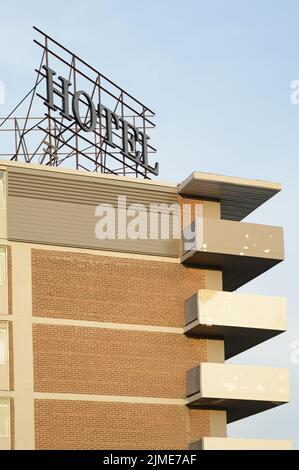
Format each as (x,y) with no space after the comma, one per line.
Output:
(3,265)
(4,417)
(3,343)
(2,190)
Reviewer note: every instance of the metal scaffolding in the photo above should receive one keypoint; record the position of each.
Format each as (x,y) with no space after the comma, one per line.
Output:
(54,141)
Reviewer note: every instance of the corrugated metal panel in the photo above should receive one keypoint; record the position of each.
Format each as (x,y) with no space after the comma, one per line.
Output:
(84,190)
(238,199)
(60,210)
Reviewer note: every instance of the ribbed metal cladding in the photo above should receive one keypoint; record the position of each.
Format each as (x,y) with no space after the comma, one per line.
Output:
(85,190)
(237,199)
(59,209)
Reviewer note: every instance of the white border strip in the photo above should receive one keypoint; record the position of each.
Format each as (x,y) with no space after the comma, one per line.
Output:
(96,324)
(109,398)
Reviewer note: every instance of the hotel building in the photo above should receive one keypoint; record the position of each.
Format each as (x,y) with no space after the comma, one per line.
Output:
(121,344)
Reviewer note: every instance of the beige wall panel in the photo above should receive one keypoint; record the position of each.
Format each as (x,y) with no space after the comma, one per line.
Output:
(241,309)
(4,356)
(3,211)
(244,382)
(242,239)
(22,342)
(218,423)
(4,307)
(4,423)
(60,210)
(212,209)
(72,224)
(215,349)
(212,443)
(213,279)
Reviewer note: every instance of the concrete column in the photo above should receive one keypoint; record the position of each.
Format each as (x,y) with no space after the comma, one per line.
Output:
(213,279)
(212,209)
(3,210)
(23,347)
(3,280)
(216,352)
(218,423)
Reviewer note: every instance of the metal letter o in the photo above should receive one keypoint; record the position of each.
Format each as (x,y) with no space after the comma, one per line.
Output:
(87,126)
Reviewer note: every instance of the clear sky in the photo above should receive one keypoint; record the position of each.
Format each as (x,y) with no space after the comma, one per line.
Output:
(218,74)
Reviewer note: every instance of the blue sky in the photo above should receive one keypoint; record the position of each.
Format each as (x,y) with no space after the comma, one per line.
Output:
(218,75)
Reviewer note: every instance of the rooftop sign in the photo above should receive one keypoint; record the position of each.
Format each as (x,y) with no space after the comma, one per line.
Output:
(88,121)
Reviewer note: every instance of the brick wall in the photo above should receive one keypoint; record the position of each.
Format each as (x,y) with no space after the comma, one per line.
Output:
(113,362)
(12,423)
(90,425)
(97,361)
(10,355)
(109,289)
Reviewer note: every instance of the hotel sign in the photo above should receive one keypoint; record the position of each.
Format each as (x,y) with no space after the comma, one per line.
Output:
(119,133)
(87,121)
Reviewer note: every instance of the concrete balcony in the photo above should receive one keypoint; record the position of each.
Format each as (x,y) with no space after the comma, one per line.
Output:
(242,320)
(240,390)
(220,443)
(240,250)
(238,197)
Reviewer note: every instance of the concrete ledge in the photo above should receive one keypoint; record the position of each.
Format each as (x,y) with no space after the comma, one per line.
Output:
(218,443)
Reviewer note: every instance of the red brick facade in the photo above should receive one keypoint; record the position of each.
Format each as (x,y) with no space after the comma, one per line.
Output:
(110,289)
(113,362)
(93,425)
